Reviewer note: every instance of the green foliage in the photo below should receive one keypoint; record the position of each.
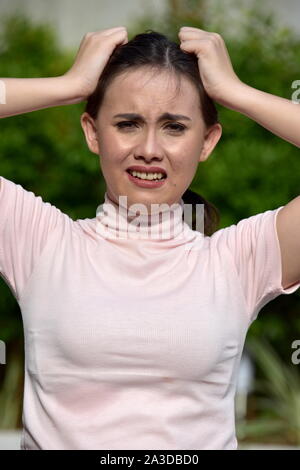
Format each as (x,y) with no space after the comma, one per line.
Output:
(280,405)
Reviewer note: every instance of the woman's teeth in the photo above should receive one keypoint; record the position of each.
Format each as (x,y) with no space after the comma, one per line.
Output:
(147,176)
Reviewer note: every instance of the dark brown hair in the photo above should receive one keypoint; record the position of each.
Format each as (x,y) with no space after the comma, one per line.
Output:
(154,50)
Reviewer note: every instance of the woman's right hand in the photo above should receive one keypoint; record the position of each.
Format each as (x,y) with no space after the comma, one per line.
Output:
(93,54)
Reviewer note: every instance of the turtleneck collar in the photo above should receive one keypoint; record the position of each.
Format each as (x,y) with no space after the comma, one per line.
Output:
(160,224)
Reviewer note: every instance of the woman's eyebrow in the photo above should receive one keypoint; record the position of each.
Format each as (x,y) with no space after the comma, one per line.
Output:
(163,117)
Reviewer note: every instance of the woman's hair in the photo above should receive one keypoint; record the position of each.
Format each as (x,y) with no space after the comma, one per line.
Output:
(154,50)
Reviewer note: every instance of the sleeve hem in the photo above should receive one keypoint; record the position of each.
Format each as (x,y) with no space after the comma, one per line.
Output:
(278,287)
(275,286)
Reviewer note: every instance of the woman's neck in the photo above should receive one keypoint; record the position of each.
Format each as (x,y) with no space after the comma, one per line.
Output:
(162,222)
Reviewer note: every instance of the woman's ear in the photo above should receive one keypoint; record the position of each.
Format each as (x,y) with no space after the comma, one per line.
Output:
(211,138)
(90,132)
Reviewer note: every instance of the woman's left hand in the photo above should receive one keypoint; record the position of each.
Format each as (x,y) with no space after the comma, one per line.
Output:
(216,71)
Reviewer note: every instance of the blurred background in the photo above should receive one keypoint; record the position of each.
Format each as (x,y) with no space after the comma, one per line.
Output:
(249,172)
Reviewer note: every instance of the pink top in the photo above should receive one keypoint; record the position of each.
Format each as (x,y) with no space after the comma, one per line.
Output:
(132,344)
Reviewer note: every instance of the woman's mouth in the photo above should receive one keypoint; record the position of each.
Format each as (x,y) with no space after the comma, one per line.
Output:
(146,180)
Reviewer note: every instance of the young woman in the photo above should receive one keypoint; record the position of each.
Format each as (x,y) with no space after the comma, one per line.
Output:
(133,341)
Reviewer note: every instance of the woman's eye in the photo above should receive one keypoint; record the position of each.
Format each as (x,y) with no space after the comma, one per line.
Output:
(176,127)
(131,124)
(124,124)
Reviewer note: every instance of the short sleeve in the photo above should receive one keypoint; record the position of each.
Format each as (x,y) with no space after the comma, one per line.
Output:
(26,222)
(254,246)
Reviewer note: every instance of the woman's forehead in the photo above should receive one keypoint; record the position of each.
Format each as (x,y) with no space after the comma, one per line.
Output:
(140,87)
(145,77)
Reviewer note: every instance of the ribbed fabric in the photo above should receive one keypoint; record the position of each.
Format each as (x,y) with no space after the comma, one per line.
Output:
(132,343)
(156,224)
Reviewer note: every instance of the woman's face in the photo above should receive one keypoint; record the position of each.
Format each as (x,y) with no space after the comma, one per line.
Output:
(175,144)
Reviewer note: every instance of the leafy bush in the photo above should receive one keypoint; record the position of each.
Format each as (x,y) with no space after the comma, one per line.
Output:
(280,401)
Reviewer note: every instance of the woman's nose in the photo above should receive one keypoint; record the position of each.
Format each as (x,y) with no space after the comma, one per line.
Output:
(149,146)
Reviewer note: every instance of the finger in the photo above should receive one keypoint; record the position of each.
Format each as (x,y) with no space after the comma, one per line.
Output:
(194,45)
(190,28)
(113,29)
(195,34)
(110,31)
(112,36)
(189,33)
(188,46)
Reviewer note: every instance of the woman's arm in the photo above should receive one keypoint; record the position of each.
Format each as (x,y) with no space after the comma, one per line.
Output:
(22,95)
(278,115)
